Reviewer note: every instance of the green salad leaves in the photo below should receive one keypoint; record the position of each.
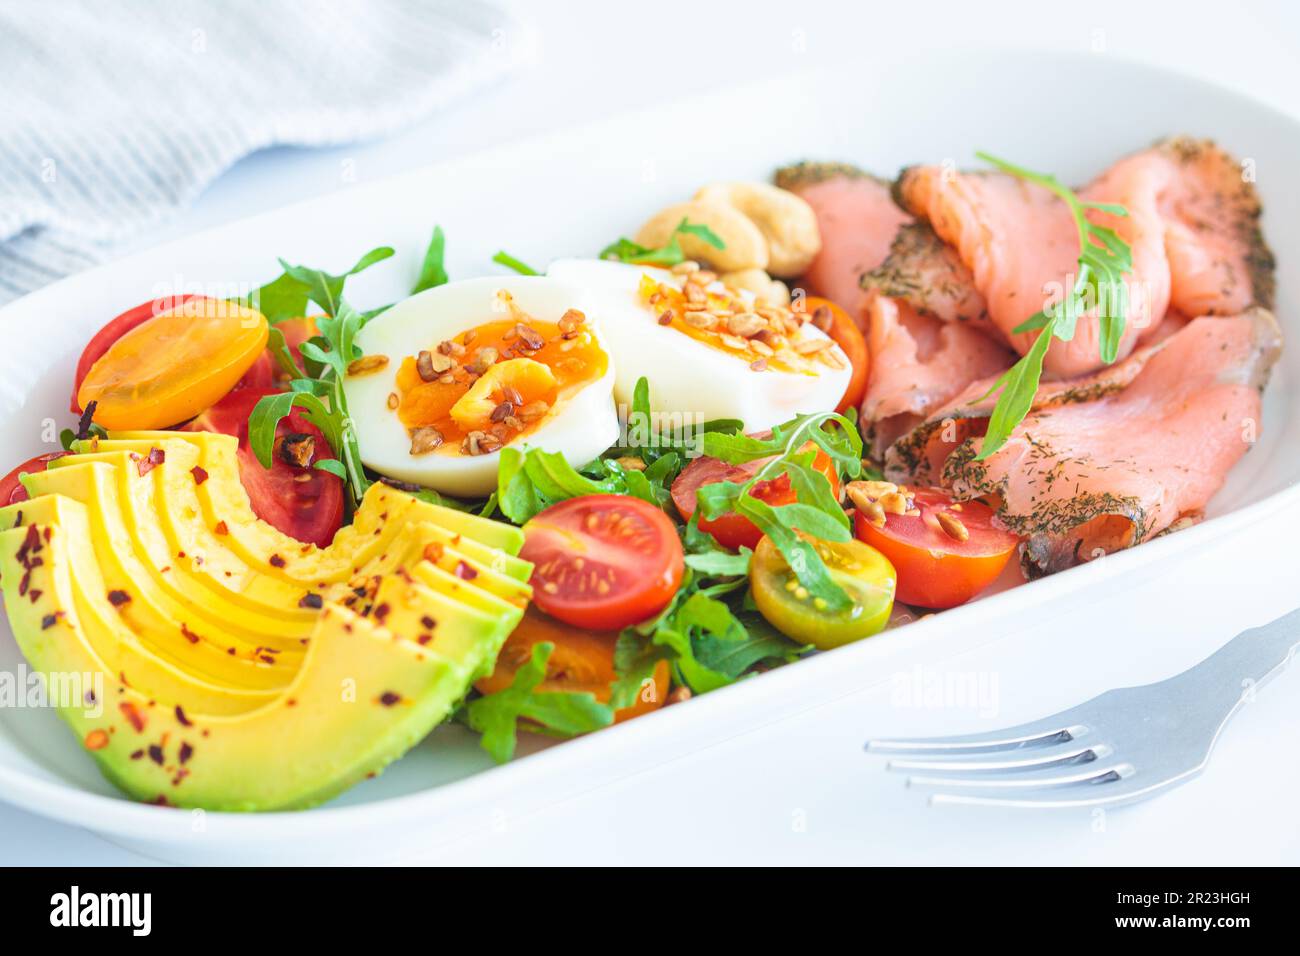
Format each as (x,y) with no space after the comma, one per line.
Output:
(669,254)
(326,357)
(816,510)
(710,634)
(1104,258)
(560,713)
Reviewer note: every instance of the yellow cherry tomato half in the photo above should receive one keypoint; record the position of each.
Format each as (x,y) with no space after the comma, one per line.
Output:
(864,574)
(173,366)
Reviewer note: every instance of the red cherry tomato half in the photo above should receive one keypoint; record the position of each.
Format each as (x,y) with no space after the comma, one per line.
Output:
(937,569)
(266,372)
(11,489)
(732,530)
(603,561)
(114,330)
(309,509)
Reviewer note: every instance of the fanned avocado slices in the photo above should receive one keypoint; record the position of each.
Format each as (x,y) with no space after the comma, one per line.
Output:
(240,669)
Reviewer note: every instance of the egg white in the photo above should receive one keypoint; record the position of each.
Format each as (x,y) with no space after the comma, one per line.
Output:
(580,428)
(687,376)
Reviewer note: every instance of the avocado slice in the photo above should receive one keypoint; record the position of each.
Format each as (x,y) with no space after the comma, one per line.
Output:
(217,453)
(207,660)
(116,646)
(394,691)
(268,645)
(171,531)
(376,522)
(135,558)
(174,629)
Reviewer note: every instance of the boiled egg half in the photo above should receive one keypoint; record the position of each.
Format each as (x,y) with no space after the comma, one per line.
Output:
(456,373)
(706,351)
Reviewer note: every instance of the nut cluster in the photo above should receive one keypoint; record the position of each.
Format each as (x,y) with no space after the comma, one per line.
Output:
(763,330)
(878,499)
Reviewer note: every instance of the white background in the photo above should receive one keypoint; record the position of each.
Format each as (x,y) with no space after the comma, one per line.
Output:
(800,790)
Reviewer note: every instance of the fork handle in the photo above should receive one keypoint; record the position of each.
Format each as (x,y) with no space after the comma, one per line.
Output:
(1253,656)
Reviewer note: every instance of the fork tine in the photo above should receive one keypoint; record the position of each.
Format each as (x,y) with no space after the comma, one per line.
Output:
(1037,759)
(1091,773)
(1111,791)
(1047,732)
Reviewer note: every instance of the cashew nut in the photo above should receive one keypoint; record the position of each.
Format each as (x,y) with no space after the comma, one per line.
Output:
(743,244)
(772,291)
(787,221)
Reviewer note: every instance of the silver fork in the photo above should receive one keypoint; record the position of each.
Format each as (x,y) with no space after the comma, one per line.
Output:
(1120,747)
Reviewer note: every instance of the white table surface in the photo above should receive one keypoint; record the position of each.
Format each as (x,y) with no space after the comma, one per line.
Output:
(800,791)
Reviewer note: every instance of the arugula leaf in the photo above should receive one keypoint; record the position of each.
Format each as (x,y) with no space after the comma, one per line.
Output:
(560,713)
(708,643)
(284,297)
(1104,258)
(327,290)
(530,480)
(327,356)
(270,409)
(504,258)
(720,563)
(279,349)
(669,254)
(756,641)
(1019,385)
(516,496)
(432,271)
(815,512)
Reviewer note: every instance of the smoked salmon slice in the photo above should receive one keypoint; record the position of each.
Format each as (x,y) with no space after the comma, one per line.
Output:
(858,219)
(928,274)
(1193,227)
(918,363)
(1218,260)
(1107,461)
(904,286)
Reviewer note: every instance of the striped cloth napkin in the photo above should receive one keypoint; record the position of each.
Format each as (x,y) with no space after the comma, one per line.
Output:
(114,116)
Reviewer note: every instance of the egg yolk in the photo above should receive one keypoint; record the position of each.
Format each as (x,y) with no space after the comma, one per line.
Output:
(764,338)
(489,385)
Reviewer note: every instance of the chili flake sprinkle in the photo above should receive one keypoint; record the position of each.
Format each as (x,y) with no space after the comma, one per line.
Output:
(133,715)
(149,462)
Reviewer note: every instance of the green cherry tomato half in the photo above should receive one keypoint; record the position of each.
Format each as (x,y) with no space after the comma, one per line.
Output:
(863,572)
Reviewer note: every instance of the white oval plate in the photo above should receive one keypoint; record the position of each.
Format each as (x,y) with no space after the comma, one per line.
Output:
(568,194)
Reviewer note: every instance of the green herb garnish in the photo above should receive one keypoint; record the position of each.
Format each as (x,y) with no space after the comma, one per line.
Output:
(432,271)
(669,254)
(286,296)
(708,633)
(1104,258)
(504,258)
(815,511)
(321,397)
(558,713)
